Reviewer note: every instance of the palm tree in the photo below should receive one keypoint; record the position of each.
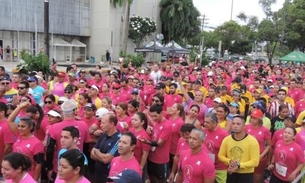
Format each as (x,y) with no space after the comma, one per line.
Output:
(126,5)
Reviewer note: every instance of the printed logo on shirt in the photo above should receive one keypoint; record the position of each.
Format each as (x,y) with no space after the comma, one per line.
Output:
(282,155)
(236,153)
(188,172)
(210,145)
(279,125)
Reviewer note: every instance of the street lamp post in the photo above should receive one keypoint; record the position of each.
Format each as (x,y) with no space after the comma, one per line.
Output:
(232,9)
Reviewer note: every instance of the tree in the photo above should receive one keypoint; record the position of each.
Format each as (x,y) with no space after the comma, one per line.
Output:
(266,6)
(179,19)
(139,28)
(126,6)
(31,62)
(242,16)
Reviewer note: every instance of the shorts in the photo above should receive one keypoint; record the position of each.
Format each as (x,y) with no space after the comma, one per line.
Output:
(221,176)
(261,166)
(157,170)
(240,178)
(275,179)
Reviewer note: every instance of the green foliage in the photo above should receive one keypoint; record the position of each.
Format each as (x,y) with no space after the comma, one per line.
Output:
(136,60)
(179,19)
(140,27)
(204,60)
(193,55)
(34,63)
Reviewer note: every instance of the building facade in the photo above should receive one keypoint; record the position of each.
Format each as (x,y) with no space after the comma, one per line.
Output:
(79,29)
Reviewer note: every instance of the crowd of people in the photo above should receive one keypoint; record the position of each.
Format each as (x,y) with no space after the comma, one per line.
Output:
(232,122)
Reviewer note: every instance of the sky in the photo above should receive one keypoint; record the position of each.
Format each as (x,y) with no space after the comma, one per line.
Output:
(219,11)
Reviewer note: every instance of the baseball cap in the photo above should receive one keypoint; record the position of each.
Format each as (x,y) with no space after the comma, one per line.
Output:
(210,73)
(162,78)
(176,74)
(217,99)
(71,74)
(198,82)
(82,71)
(5,78)
(160,86)
(32,79)
(95,87)
(90,106)
(292,118)
(61,74)
(234,104)
(101,112)
(68,106)
(258,104)
(126,176)
(54,113)
(257,113)
(135,91)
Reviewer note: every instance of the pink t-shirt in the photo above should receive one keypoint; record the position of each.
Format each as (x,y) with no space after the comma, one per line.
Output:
(81,180)
(209,102)
(27,179)
(181,146)
(140,146)
(299,107)
(286,159)
(55,133)
(58,89)
(176,125)
(29,147)
(279,135)
(202,112)
(117,165)
(126,92)
(294,93)
(262,134)
(41,132)
(6,136)
(121,122)
(117,98)
(2,99)
(161,130)
(171,100)
(196,167)
(213,142)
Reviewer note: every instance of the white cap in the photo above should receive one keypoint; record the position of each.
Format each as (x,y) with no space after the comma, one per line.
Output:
(218,100)
(63,99)
(242,68)
(54,113)
(270,80)
(38,77)
(95,87)
(68,105)
(210,73)
(101,112)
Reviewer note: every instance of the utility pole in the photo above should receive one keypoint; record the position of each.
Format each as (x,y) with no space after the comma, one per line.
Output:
(46,29)
(201,46)
(232,9)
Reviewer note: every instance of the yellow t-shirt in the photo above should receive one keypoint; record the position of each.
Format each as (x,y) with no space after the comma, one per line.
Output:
(290,101)
(300,118)
(223,124)
(245,151)
(266,122)
(226,99)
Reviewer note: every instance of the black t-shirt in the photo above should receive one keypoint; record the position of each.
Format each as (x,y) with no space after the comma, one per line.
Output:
(277,123)
(106,144)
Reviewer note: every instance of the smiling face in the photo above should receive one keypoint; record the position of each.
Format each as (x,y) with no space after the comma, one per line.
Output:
(124,145)
(8,171)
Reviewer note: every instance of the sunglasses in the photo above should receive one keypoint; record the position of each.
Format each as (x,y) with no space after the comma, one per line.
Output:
(31,81)
(5,83)
(115,88)
(69,92)
(22,126)
(20,88)
(48,102)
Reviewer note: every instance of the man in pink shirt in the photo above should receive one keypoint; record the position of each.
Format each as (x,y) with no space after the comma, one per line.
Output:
(195,164)
(116,94)
(160,145)
(126,160)
(126,88)
(173,97)
(54,136)
(214,137)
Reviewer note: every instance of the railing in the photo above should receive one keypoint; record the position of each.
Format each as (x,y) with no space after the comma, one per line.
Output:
(298,178)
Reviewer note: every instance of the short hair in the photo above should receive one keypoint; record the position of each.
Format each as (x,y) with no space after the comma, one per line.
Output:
(202,135)
(212,116)
(174,85)
(240,117)
(3,107)
(281,90)
(112,119)
(133,139)
(18,160)
(25,83)
(75,158)
(293,129)
(2,68)
(187,128)
(156,108)
(74,132)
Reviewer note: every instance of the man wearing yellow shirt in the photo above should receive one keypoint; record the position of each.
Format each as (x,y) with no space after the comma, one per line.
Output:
(226,99)
(240,152)
(10,91)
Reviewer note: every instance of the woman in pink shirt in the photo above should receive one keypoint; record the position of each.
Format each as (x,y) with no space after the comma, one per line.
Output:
(263,137)
(83,100)
(27,143)
(15,167)
(139,125)
(287,159)
(71,167)
(49,103)
(133,107)
(124,121)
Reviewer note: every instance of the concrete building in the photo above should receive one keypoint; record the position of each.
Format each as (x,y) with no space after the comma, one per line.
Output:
(79,28)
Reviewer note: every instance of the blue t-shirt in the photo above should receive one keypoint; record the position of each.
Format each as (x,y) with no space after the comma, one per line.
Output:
(37,94)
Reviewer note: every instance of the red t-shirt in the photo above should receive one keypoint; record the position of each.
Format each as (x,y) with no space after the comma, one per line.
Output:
(161,130)
(176,125)
(117,165)
(196,167)
(262,134)
(213,142)
(286,159)
(140,146)
(6,136)
(29,147)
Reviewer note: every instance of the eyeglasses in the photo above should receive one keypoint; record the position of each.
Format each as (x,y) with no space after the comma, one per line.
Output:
(48,102)
(154,100)
(20,88)
(6,83)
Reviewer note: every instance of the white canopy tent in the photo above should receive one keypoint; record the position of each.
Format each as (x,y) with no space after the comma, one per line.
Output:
(58,42)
